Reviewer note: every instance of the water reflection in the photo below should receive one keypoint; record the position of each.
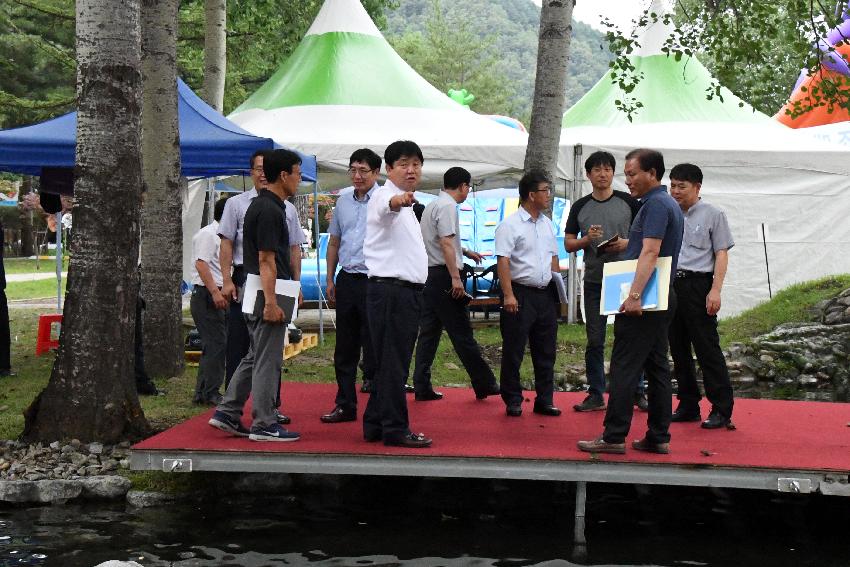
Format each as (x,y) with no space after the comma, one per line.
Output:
(432,523)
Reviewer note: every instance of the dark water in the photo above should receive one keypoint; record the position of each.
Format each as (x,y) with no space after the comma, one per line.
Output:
(415,522)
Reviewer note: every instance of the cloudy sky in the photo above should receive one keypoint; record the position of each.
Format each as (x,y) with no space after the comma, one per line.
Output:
(621,12)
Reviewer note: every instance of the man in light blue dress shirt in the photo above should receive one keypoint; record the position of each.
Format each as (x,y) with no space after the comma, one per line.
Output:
(527,253)
(348,290)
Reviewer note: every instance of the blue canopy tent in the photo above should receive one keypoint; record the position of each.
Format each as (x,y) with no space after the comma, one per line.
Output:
(210,144)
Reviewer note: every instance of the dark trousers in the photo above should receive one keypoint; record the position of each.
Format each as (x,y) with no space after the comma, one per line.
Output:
(352,337)
(393,323)
(535,324)
(640,344)
(440,310)
(238,339)
(238,336)
(692,326)
(5,334)
(212,327)
(595,326)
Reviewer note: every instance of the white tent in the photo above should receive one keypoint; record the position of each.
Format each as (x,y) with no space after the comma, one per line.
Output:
(345,88)
(786,194)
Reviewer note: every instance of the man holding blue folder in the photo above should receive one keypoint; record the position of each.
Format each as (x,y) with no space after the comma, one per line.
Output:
(640,338)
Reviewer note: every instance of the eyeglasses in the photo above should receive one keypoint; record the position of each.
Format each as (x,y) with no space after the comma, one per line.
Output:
(547,190)
(362,172)
(257,169)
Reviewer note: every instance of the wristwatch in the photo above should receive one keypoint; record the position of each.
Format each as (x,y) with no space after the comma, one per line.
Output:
(634,295)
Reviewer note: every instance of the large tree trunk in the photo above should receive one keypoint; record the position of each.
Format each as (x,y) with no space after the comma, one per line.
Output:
(27,247)
(215,52)
(91,393)
(544,134)
(162,227)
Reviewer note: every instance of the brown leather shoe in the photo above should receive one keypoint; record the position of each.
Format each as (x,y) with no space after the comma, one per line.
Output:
(410,441)
(599,445)
(648,447)
(339,415)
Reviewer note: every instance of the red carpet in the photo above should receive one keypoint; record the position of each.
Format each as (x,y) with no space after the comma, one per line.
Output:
(810,436)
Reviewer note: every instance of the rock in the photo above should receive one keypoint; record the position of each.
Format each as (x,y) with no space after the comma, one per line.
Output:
(109,464)
(112,486)
(766,358)
(75,443)
(116,563)
(40,491)
(95,448)
(78,459)
(143,499)
(67,449)
(55,445)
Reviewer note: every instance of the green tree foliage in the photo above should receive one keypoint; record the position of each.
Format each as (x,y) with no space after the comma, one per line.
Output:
(503,36)
(37,65)
(755,48)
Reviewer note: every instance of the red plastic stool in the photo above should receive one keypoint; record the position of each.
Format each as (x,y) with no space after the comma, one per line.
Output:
(45,341)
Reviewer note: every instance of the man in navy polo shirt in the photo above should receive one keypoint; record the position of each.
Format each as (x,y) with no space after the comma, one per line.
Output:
(640,338)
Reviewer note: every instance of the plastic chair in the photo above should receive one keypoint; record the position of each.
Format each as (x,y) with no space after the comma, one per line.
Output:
(44,342)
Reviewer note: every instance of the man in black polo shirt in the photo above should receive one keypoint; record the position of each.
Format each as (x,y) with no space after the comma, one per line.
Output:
(266,254)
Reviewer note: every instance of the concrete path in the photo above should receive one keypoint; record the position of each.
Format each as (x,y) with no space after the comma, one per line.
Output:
(35,276)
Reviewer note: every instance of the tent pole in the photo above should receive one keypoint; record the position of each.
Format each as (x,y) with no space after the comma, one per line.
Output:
(210,199)
(318,260)
(572,289)
(59,261)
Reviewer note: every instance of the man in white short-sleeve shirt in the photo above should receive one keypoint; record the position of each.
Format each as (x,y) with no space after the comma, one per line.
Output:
(527,253)
(398,267)
(208,306)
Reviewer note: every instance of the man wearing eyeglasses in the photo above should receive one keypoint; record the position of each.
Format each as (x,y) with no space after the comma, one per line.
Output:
(345,248)
(527,253)
(398,267)
(445,296)
(230,229)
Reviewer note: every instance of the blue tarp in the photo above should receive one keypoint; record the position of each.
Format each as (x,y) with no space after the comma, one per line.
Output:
(210,144)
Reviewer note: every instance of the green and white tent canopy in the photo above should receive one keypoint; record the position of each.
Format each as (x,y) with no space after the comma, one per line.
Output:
(345,88)
(757,170)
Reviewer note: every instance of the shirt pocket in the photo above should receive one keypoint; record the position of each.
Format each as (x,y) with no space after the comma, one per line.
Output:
(699,238)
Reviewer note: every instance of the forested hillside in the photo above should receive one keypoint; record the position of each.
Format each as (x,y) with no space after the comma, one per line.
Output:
(486,46)
(500,41)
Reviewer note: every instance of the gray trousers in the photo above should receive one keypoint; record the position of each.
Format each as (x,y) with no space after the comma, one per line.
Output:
(258,372)
(212,327)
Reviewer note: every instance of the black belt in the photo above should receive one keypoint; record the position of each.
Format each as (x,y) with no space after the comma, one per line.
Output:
(529,287)
(683,274)
(355,275)
(398,282)
(441,267)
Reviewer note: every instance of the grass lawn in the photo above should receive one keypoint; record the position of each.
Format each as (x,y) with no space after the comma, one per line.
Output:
(38,289)
(31,266)
(316,364)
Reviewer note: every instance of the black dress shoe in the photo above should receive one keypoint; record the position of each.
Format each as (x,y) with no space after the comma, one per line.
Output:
(7,372)
(339,415)
(409,389)
(411,441)
(489,391)
(547,410)
(513,410)
(715,421)
(684,415)
(428,396)
(366,388)
(282,419)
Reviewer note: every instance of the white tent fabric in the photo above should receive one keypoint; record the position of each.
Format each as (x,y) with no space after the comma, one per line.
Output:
(794,185)
(783,191)
(329,99)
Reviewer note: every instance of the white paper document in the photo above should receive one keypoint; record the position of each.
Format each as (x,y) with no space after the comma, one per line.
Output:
(290,288)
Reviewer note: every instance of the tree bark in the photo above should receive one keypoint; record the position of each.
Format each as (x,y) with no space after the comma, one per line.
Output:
(547,109)
(215,52)
(91,393)
(27,248)
(162,227)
